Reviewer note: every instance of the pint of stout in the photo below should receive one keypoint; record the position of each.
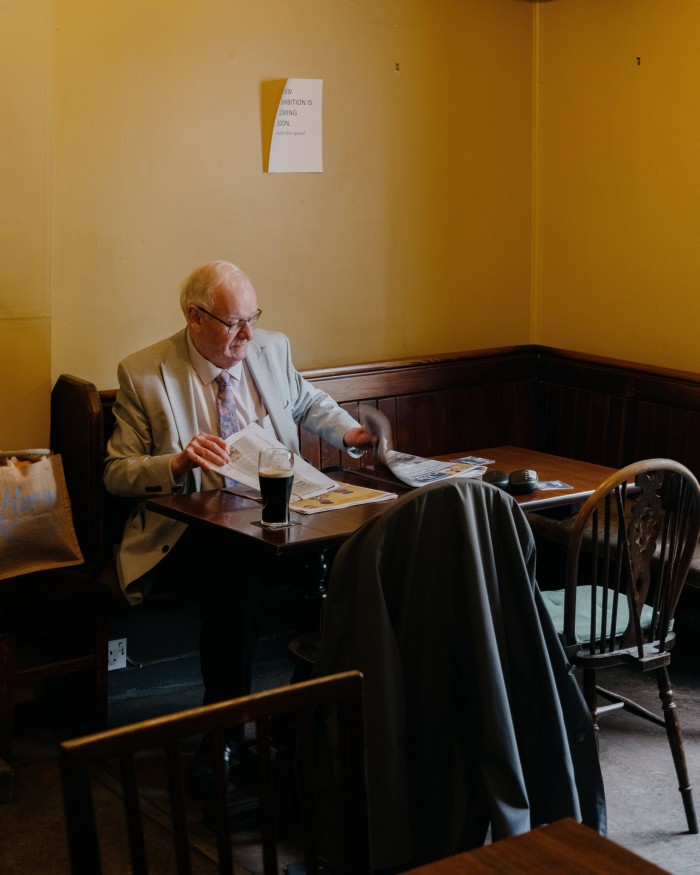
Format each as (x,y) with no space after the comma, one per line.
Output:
(276,473)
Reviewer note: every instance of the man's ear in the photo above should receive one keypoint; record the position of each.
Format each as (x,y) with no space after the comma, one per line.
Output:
(194,316)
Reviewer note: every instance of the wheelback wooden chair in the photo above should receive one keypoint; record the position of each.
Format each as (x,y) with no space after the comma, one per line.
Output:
(628,556)
(304,703)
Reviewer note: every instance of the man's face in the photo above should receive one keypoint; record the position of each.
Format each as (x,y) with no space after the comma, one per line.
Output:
(213,339)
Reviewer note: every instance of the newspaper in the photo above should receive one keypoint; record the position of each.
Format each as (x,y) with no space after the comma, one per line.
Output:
(344,495)
(414,470)
(244,447)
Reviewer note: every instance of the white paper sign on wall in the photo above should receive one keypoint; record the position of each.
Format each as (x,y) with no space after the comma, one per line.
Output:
(296,144)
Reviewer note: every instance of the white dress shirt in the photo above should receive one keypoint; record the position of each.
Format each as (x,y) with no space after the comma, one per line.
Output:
(249,404)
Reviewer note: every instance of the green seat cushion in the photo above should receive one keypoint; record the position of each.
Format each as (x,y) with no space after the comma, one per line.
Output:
(554,600)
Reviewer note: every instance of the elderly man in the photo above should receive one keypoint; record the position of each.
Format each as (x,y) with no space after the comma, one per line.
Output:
(173,398)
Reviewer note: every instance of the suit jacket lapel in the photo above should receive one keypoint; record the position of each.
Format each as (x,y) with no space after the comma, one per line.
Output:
(175,370)
(268,385)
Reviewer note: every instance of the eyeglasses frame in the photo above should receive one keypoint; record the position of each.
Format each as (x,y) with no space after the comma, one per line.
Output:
(238,324)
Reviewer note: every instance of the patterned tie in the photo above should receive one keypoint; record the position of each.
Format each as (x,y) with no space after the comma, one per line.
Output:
(226,408)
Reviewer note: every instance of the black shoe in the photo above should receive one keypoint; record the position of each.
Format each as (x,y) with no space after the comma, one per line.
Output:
(200,779)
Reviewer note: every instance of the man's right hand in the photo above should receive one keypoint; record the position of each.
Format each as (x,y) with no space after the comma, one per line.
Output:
(203,451)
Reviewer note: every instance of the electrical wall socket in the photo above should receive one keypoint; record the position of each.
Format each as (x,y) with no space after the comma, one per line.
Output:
(116,653)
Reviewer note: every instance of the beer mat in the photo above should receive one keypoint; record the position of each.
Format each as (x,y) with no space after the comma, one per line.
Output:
(552,485)
(288,525)
(474,460)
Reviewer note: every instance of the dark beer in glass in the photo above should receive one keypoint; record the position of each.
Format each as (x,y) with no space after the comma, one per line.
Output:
(276,474)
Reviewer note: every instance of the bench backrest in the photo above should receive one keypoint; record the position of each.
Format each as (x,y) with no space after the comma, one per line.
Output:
(81,422)
(438,404)
(586,407)
(615,412)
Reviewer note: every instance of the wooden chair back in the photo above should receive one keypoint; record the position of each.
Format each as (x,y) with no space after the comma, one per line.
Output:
(306,702)
(628,557)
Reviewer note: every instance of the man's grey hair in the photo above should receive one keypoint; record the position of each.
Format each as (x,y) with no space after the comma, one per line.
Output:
(199,286)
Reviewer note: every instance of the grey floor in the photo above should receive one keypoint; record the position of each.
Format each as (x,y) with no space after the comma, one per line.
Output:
(645,812)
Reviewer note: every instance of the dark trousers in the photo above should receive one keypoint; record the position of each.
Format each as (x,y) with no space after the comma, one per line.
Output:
(228,584)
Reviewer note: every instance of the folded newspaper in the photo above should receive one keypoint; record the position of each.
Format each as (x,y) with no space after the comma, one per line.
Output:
(312,491)
(344,495)
(409,469)
(243,449)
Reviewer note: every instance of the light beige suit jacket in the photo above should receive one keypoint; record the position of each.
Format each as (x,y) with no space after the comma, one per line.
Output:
(155,418)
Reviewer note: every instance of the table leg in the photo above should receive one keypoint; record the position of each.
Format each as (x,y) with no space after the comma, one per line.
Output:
(311,578)
(309,573)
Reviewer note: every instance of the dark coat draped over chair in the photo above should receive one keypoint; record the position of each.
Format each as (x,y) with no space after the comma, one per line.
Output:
(473,715)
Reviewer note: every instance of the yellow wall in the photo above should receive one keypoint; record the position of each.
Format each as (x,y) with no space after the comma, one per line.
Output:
(131,151)
(138,139)
(26,77)
(618,253)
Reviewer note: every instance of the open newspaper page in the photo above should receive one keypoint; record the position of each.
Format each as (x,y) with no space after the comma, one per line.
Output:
(412,470)
(244,447)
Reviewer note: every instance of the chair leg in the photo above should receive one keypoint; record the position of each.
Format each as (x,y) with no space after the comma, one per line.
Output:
(8,657)
(590,694)
(675,740)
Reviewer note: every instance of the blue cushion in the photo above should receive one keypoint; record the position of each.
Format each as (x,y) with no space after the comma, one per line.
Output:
(554,601)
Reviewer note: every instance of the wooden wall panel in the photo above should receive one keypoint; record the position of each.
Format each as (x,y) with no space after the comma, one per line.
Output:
(592,408)
(580,424)
(438,405)
(614,412)
(660,430)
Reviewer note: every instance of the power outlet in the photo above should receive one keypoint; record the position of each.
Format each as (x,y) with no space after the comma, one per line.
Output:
(116,653)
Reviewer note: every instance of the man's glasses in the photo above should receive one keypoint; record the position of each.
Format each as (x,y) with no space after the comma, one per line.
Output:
(236,326)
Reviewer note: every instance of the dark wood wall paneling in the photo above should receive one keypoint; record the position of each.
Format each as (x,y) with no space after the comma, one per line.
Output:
(587,407)
(614,412)
(579,421)
(438,404)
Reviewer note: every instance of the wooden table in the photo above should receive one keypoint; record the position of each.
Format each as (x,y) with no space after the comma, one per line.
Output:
(237,516)
(584,477)
(313,539)
(564,848)
(307,547)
